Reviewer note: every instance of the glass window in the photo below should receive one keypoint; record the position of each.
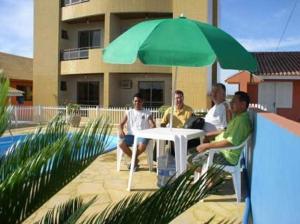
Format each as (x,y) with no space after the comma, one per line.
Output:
(64,34)
(63,86)
(89,39)
(153,93)
(88,93)
(83,39)
(95,38)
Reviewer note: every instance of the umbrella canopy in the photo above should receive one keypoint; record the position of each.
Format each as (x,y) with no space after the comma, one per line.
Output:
(14,92)
(178,42)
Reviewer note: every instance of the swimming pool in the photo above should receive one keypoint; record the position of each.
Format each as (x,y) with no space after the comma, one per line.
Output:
(8,141)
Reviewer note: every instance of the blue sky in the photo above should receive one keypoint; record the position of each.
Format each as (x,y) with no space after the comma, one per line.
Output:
(256,24)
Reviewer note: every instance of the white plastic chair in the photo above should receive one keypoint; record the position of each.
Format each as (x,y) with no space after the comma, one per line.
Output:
(235,171)
(149,150)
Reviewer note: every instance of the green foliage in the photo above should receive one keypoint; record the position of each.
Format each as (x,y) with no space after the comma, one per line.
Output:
(162,109)
(68,212)
(44,162)
(73,108)
(4,115)
(160,207)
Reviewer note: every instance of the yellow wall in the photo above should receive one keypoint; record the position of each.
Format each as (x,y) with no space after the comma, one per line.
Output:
(48,68)
(193,81)
(46,52)
(95,7)
(16,67)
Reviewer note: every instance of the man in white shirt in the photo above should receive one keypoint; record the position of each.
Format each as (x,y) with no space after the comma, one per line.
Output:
(219,115)
(136,119)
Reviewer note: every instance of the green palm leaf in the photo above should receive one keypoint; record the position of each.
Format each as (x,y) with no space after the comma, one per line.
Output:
(68,212)
(44,162)
(163,205)
(160,207)
(4,115)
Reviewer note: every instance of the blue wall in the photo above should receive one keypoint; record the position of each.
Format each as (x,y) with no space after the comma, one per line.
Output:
(275,181)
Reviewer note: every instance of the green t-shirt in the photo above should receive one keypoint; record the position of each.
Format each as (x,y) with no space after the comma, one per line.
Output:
(237,131)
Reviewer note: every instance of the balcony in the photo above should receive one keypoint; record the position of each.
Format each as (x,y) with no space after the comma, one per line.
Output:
(75,54)
(72,2)
(89,61)
(97,7)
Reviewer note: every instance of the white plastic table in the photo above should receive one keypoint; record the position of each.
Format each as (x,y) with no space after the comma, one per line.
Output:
(179,136)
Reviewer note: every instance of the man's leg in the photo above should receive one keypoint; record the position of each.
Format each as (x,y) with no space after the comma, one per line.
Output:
(125,143)
(125,149)
(142,145)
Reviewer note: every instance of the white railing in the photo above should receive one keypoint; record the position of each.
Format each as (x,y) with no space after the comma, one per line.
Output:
(258,106)
(44,114)
(72,2)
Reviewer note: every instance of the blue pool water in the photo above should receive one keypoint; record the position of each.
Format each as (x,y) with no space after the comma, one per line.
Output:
(7,141)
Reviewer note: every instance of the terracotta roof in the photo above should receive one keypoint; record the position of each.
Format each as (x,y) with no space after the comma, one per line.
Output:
(16,67)
(278,63)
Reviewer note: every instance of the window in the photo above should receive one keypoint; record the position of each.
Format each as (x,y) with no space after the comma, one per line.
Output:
(89,39)
(153,93)
(63,86)
(284,94)
(64,34)
(275,95)
(27,89)
(88,93)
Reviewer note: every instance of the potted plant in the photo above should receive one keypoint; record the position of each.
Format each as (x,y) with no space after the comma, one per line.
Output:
(73,115)
(161,111)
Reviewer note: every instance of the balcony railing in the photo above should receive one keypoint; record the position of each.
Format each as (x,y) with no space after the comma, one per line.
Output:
(72,2)
(76,53)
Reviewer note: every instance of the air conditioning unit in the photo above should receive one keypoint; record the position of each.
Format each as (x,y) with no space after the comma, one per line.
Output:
(126,84)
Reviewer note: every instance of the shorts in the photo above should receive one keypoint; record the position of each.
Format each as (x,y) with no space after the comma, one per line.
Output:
(129,139)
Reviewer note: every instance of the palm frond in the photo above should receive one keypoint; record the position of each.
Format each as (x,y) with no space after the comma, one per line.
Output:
(44,162)
(160,207)
(165,204)
(68,212)
(4,115)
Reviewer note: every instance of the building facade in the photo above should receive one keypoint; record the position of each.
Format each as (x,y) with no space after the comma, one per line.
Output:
(19,72)
(276,83)
(69,37)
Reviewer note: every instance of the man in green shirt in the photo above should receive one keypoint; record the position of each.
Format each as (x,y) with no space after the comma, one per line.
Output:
(236,132)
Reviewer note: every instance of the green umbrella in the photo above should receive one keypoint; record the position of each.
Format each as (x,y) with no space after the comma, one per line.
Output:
(178,42)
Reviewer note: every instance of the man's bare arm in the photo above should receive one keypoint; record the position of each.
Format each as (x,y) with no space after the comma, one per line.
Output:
(209,136)
(220,144)
(151,122)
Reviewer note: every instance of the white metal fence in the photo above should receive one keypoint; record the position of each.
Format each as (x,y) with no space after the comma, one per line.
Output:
(43,114)
(258,106)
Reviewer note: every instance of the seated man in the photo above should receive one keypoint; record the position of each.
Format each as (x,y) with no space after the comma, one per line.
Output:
(219,115)
(181,112)
(236,132)
(136,119)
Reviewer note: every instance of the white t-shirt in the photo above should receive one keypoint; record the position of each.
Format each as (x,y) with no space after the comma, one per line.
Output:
(215,118)
(137,120)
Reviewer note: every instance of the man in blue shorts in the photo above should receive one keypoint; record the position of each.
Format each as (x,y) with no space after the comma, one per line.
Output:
(136,119)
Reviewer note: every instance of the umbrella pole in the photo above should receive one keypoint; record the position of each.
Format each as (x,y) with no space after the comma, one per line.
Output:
(173,96)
